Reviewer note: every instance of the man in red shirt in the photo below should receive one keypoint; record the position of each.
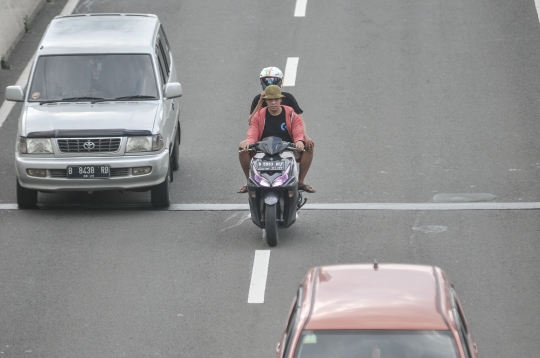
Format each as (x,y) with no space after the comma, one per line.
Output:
(274,76)
(278,121)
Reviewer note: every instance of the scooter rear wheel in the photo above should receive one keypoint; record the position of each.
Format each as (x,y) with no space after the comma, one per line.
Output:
(271,225)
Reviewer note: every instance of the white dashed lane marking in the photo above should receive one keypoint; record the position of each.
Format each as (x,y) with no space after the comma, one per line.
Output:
(300,9)
(259,274)
(290,72)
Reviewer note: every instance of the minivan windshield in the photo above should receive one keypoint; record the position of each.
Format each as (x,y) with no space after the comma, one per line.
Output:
(379,344)
(109,76)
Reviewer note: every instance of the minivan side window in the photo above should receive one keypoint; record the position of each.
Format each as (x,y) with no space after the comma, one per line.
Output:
(160,65)
(165,42)
(164,58)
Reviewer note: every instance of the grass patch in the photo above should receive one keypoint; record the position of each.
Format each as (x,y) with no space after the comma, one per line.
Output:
(26,24)
(4,64)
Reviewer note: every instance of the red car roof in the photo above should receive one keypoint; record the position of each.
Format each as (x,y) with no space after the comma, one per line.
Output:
(401,297)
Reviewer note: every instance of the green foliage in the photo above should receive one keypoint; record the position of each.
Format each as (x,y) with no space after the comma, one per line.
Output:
(26,24)
(4,64)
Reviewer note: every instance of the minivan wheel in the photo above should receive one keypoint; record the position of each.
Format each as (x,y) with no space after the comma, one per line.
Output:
(160,194)
(26,198)
(176,151)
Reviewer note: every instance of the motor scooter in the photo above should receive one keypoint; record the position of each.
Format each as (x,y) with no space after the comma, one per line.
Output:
(274,199)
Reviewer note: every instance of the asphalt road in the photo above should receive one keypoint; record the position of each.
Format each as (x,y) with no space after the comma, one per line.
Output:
(405,100)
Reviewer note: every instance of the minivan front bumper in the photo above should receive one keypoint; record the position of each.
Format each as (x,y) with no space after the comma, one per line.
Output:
(121,178)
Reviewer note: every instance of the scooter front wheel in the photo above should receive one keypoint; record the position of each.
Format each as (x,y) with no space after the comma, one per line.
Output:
(270,224)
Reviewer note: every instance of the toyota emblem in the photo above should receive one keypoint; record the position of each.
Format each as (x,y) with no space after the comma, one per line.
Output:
(89,145)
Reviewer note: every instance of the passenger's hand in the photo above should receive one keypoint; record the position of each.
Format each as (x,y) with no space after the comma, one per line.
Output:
(261,99)
(309,142)
(244,145)
(300,146)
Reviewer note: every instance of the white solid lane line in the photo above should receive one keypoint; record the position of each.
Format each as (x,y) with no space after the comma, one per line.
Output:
(423,206)
(537,4)
(258,276)
(307,207)
(290,71)
(300,9)
(7,106)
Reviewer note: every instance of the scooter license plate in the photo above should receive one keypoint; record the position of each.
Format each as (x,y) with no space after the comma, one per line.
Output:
(270,165)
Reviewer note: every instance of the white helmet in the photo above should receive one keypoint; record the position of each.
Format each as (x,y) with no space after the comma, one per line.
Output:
(271,76)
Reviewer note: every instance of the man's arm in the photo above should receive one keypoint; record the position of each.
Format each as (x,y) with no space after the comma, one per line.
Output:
(303,124)
(297,128)
(307,139)
(253,131)
(257,107)
(292,102)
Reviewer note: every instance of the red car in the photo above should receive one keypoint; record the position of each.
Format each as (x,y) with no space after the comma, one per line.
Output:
(376,311)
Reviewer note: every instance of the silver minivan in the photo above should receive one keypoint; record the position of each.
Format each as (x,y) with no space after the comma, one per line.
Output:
(100,109)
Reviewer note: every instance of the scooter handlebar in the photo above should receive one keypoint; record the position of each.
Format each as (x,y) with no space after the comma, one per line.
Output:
(251,147)
(291,147)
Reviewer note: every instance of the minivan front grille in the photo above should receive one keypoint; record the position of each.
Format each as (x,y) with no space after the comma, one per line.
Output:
(89,145)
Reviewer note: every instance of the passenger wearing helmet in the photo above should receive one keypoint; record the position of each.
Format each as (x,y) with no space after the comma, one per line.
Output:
(274,76)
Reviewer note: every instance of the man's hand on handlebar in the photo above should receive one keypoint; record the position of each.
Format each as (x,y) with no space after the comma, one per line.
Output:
(300,146)
(243,146)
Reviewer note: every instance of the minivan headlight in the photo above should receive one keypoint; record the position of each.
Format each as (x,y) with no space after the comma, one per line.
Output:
(35,146)
(144,144)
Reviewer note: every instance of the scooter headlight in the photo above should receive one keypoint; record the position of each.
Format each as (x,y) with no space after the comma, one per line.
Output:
(283,178)
(259,179)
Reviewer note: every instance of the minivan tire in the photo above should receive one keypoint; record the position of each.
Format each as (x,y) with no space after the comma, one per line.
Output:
(176,150)
(26,198)
(160,194)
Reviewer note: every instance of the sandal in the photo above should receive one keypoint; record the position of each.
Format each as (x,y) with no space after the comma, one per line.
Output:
(306,188)
(242,190)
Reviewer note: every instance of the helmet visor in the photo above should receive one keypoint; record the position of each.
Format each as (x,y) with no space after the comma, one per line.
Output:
(267,81)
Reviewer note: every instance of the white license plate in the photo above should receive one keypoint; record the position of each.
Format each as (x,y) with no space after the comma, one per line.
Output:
(89,171)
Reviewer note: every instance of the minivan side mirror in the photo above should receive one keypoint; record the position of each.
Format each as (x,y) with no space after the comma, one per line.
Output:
(14,93)
(172,90)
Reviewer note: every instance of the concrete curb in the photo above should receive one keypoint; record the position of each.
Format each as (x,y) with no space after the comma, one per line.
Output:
(7,106)
(12,22)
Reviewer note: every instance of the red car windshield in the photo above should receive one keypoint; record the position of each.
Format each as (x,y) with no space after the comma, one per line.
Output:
(376,344)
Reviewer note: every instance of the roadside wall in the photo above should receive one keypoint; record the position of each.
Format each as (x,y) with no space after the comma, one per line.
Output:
(12,18)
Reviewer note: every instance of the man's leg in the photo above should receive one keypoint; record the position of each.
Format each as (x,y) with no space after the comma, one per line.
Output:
(305,163)
(245,159)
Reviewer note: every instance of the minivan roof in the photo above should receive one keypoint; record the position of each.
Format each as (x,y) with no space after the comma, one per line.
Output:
(389,296)
(100,33)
